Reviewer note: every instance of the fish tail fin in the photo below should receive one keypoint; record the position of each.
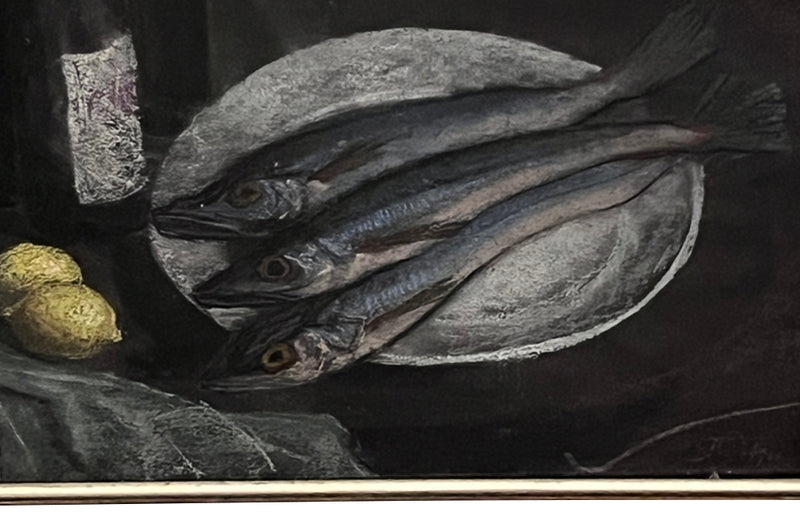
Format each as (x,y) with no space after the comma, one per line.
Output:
(744,120)
(680,42)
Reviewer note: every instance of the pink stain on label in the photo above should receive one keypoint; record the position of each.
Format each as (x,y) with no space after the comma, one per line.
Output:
(104,132)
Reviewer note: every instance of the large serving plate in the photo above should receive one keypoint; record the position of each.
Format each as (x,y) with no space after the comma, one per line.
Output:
(551,291)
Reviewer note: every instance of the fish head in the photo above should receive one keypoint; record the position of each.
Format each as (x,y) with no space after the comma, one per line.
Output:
(293,273)
(281,364)
(247,207)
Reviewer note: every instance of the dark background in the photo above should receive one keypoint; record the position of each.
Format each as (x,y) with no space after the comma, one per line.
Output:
(721,339)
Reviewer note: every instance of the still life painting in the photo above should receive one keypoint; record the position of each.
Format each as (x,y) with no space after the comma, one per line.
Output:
(350,239)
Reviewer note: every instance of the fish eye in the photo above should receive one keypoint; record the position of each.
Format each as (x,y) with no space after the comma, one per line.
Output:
(279,356)
(244,194)
(275,268)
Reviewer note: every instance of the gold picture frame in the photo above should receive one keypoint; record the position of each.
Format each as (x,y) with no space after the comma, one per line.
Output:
(391,489)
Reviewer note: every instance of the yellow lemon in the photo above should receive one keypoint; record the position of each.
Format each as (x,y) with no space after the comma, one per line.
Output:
(27,265)
(64,320)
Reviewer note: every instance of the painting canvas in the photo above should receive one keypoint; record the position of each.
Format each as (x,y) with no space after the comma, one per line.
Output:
(346,239)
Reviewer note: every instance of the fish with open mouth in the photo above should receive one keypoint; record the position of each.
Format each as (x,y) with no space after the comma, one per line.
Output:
(368,316)
(340,253)
(294,179)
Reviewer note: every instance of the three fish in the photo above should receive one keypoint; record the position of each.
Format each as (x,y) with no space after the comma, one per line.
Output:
(469,177)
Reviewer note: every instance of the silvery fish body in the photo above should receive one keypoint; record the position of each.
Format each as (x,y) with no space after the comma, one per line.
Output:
(565,285)
(294,179)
